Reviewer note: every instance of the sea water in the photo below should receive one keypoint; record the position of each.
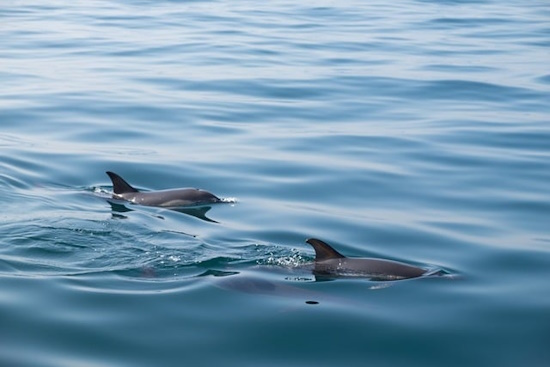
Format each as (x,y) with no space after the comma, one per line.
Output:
(416,131)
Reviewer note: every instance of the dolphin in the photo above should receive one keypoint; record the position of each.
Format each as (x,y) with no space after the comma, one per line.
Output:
(164,198)
(265,283)
(331,263)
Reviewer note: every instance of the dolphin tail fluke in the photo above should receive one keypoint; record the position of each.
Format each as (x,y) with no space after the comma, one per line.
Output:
(119,185)
(323,251)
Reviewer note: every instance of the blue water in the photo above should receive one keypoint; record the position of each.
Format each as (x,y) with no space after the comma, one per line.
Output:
(410,130)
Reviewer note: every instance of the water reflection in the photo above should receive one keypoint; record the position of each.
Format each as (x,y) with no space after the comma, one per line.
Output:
(119,207)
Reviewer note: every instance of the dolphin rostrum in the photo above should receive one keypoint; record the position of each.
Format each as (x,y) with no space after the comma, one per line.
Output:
(164,198)
(331,263)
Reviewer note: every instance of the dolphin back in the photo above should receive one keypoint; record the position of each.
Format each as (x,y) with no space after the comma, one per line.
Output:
(330,262)
(119,185)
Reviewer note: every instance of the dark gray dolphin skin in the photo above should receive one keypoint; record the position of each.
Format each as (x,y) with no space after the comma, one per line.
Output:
(331,263)
(164,198)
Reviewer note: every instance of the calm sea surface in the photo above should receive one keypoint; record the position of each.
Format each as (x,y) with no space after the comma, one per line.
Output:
(417,131)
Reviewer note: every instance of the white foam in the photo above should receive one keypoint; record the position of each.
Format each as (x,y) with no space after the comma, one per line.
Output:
(229,200)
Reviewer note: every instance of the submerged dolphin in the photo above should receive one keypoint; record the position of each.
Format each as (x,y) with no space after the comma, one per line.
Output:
(331,263)
(163,198)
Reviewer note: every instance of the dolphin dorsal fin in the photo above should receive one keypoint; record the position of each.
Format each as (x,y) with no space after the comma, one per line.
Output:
(323,251)
(119,185)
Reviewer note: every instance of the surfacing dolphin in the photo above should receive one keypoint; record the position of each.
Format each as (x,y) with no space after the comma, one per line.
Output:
(174,198)
(331,263)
